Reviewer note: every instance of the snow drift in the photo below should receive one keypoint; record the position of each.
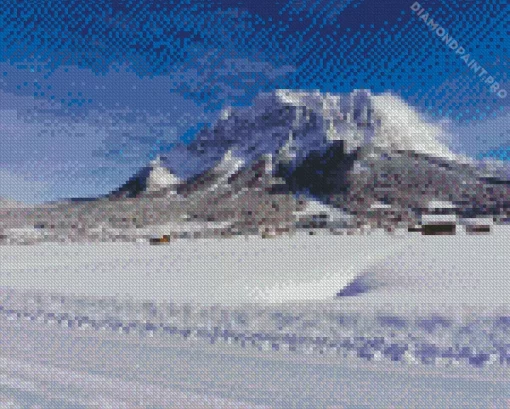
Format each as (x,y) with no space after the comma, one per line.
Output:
(377,269)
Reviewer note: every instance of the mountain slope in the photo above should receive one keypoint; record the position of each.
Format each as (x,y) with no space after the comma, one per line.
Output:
(213,178)
(322,173)
(313,120)
(151,179)
(349,151)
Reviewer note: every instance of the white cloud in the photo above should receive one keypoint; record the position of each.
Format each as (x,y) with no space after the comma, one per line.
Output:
(476,138)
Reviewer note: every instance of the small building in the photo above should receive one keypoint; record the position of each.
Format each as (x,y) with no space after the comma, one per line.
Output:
(317,215)
(478,225)
(439,218)
(438,224)
(441,207)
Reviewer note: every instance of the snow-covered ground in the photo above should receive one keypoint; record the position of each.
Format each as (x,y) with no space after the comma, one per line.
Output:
(258,322)
(412,270)
(203,271)
(49,367)
(443,271)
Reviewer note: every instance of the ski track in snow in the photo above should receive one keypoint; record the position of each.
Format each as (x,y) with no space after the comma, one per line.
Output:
(436,303)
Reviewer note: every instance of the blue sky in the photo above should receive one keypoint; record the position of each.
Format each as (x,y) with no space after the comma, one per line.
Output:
(89,91)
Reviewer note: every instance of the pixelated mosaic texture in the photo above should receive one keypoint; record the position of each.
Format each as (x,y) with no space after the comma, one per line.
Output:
(240,204)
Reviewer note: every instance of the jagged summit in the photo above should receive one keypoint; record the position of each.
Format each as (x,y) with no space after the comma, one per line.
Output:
(347,150)
(291,123)
(230,162)
(360,118)
(153,178)
(256,166)
(160,177)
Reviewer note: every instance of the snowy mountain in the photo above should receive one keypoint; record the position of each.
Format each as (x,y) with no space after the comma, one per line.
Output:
(352,150)
(215,178)
(312,120)
(241,192)
(151,179)
(347,151)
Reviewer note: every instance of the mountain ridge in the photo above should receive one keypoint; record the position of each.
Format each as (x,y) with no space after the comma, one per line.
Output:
(336,148)
(261,164)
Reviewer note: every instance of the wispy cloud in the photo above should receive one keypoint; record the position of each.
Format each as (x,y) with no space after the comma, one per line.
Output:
(476,138)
